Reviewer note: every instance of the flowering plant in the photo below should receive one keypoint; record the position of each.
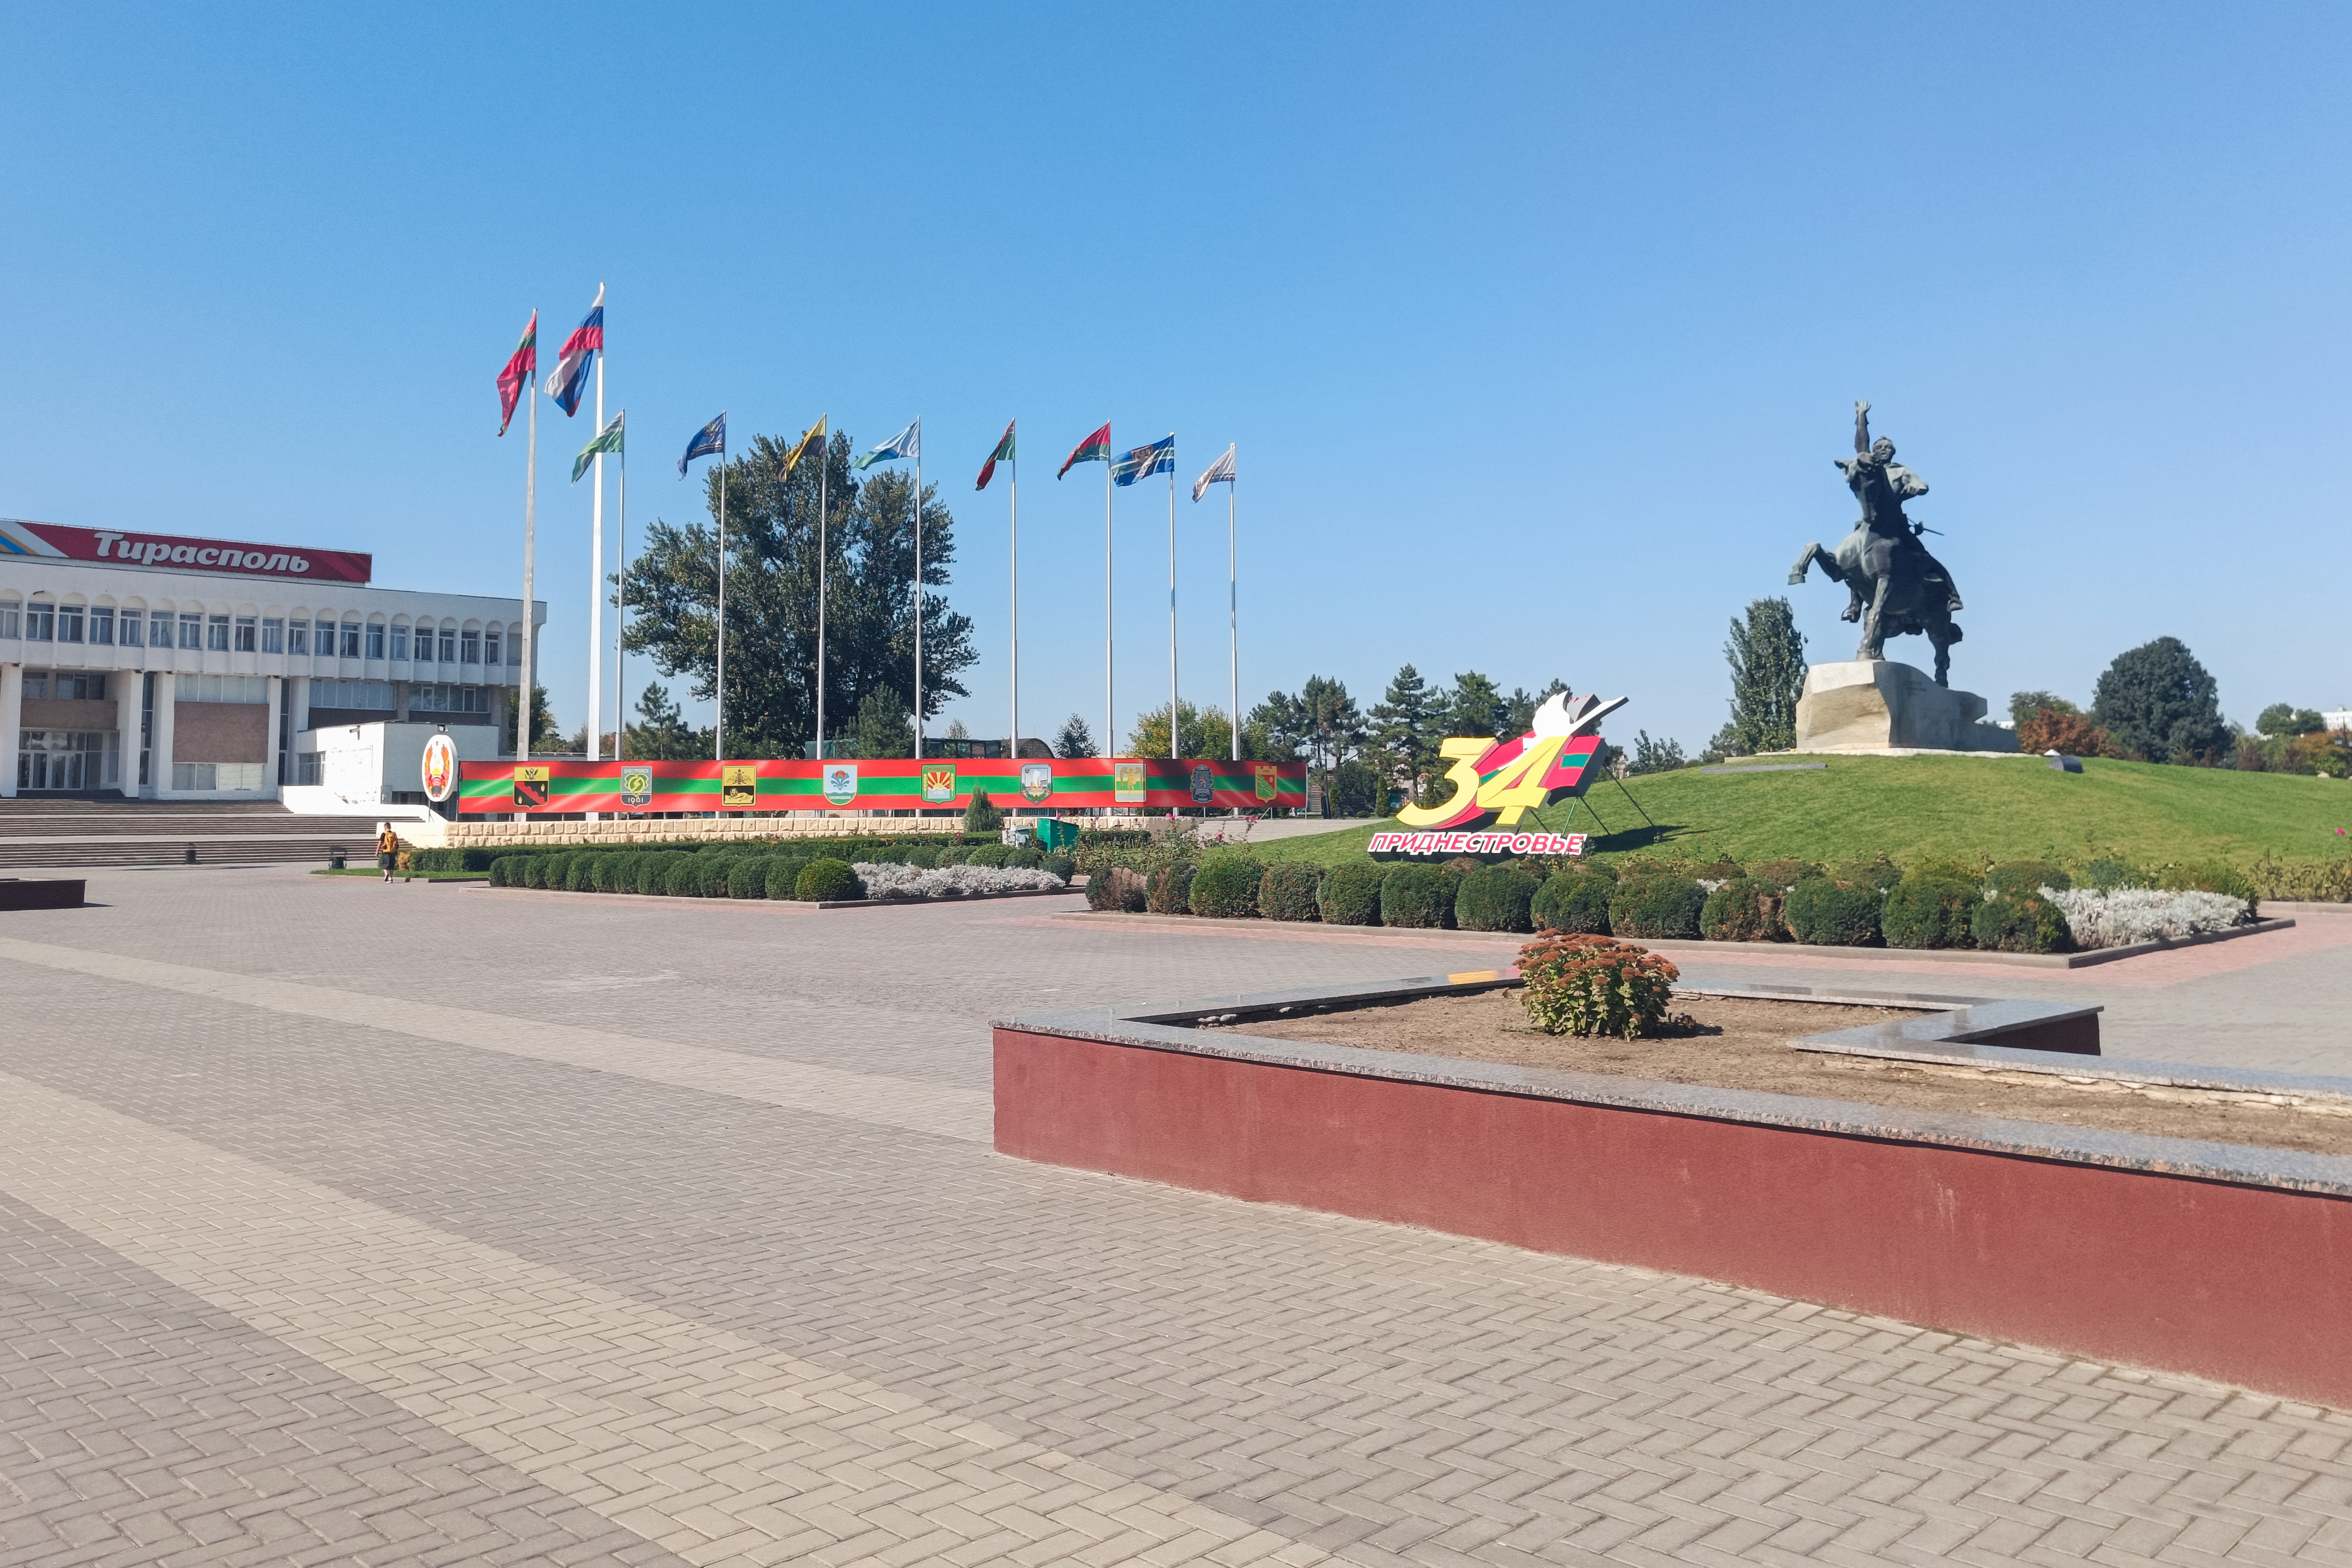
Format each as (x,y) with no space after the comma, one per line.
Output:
(1583,984)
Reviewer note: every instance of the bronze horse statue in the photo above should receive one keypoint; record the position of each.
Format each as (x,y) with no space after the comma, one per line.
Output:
(1908,589)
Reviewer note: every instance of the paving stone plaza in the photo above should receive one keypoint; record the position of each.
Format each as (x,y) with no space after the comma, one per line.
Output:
(351,1223)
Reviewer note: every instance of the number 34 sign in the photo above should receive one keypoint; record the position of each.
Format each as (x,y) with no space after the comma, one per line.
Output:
(1500,780)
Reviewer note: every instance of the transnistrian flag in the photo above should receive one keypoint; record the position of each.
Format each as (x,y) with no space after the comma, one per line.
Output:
(1094,448)
(1221,472)
(907,444)
(1142,461)
(570,378)
(521,365)
(814,440)
(1004,454)
(607,440)
(712,438)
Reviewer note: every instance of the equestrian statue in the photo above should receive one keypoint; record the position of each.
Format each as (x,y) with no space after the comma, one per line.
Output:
(1894,585)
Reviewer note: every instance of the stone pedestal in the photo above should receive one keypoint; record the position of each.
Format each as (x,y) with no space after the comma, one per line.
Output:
(1876,705)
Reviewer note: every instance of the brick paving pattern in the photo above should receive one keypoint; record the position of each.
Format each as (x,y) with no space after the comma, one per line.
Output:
(416,1224)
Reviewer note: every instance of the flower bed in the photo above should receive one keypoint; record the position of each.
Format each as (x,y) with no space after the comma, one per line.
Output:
(906,882)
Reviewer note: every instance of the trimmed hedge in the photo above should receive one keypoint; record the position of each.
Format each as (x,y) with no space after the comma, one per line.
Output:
(1742,910)
(1118,888)
(579,873)
(1290,890)
(682,878)
(827,881)
(989,854)
(1225,888)
(748,877)
(1658,907)
(1929,912)
(1495,898)
(1419,896)
(1350,896)
(1575,901)
(1168,890)
(1063,866)
(2027,878)
(783,877)
(2019,924)
(1826,915)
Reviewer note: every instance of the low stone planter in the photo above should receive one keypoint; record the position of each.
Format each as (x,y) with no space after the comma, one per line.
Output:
(41,893)
(2223,1261)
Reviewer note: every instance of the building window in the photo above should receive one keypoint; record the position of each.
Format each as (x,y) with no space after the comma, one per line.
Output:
(245,634)
(36,685)
(101,626)
(351,639)
(424,644)
(448,645)
(215,775)
(192,631)
(65,760)
(490,646)
(298,636)
(217,634)
(70,623)
(375,642)
(12,623)
(190,688)
(273,636)
(470,647)
(400,643)
(134,622)
(514,646)
(40,624)
(375,696)
(159,629)
(65,685)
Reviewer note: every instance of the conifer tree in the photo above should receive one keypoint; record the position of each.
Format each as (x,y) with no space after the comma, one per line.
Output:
(1767,654)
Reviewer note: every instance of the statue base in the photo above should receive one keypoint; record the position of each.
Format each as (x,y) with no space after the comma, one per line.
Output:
(1879,705)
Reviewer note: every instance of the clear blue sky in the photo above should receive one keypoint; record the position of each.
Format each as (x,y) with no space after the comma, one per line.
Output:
(1537,328)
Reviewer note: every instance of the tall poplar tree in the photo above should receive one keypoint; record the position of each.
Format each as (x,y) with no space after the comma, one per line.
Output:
(1767,654)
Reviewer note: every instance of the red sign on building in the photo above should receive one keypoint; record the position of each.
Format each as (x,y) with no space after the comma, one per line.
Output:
(104,547)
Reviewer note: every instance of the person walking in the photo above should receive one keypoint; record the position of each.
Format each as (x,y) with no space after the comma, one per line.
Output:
(387,850)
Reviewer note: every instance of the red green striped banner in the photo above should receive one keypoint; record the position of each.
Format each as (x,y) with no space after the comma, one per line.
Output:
(558,786)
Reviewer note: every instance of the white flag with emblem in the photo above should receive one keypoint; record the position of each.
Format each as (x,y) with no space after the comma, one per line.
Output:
(1221,472)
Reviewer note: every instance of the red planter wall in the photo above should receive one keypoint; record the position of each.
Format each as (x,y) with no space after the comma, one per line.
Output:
(2242,1284)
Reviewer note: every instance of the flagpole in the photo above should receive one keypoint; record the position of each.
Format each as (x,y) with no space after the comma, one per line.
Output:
(1109,741)
(823,476)
(1175,729)
(918,588)
(620,602)
(530,506)
(1233,621)
(1012,739)
(596,582)
(719,724)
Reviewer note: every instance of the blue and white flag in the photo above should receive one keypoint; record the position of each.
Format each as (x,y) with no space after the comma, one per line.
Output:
(908,443)
(711,439)
(1142,461)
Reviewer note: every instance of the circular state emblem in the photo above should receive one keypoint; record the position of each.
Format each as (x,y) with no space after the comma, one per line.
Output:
(440,769)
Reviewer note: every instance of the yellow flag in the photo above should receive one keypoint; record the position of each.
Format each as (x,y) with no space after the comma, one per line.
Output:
(814,440)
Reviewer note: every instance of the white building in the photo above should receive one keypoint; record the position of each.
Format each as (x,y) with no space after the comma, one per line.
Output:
(166,667)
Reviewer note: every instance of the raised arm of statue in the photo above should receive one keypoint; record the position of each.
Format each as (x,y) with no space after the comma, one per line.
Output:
(1860,425)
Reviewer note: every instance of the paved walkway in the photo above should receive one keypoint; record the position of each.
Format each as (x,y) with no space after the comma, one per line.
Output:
(341,1222)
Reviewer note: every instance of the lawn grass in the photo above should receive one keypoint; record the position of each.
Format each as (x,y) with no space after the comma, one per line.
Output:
(1911,808)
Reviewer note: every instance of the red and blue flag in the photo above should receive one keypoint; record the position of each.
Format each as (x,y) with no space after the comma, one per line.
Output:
(570,378)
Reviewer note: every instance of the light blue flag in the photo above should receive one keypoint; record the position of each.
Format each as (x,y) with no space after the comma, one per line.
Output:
(908,443)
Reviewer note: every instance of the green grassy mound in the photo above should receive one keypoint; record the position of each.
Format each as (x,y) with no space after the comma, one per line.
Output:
(1916,808)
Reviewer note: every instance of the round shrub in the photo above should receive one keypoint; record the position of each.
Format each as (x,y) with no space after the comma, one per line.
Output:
(682,878)
(1658,907)
(1821,913)
(925,856)
(1168,889)
(1878,875)
(953,856)
(1742,910)
(1117,888)
(577,871)
(534,871)
(1351,895)
(711,874)
(1947,868)
(2019,924)
(1929,912)
(1573,901)
(1287,891)
(1420,897)
(653,869)
(1587,985)
(1026,858)
(827,881)
(501,867)
(1062,866)
(784,878)
(1495,898)
(601,868)
(1225,888)
(989,855)
(626,875)
(2026,877)
(748,877)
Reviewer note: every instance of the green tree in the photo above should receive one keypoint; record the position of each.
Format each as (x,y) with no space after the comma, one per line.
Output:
(1204,732)
(1405,729)
(2023,705)
(1475,707)
(771,596)
(544,736)
(2158,701)
(981,814)
(1521,704)
(1767,654)
(660,733)
(2285,719)
(1075,739)
(1655,756)
(884,727)
(1282,720)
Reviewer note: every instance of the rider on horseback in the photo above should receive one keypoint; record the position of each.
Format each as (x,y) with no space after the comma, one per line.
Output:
(1881,486)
